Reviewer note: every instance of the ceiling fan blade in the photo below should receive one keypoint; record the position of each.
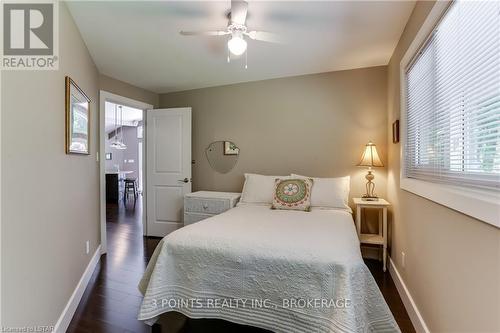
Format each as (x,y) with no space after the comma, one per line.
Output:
(265,36)
(204,33)
(239,11)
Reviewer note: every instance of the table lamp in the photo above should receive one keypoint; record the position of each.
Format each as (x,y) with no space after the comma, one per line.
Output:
(370,159)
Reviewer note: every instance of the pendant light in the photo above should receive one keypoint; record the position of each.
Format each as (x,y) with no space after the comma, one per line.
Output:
(121,143)
(118,137)
(115,144)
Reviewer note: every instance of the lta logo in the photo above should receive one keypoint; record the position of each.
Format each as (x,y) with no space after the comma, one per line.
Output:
(29,35)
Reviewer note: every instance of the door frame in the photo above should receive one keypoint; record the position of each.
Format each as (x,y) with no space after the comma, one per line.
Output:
(105,96)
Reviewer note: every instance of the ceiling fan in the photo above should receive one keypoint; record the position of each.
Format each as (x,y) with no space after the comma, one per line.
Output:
(237,30)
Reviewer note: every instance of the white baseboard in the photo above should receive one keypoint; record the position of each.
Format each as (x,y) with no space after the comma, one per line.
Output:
(416,318)
(68,312)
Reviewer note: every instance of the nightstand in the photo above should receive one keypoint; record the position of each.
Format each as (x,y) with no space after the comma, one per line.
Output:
(381,237)
(204,204)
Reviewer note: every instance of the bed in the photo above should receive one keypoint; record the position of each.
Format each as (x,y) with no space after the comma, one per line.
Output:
(285,271)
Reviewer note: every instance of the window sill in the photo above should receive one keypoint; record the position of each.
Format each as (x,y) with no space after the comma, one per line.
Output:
(480,204)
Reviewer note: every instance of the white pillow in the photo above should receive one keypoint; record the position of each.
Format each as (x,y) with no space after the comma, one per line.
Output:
(329,192)
(259,188)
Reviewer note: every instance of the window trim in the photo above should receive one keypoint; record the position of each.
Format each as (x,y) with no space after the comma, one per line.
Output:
(481,204)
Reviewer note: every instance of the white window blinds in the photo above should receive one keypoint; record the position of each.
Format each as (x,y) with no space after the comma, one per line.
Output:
(453,100)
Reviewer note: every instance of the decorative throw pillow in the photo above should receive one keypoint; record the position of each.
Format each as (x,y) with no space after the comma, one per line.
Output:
(292,194)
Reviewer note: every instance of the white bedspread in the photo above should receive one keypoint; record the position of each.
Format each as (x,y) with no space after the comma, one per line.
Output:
(250,264)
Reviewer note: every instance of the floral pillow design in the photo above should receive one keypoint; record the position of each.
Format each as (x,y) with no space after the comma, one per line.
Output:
(292,194)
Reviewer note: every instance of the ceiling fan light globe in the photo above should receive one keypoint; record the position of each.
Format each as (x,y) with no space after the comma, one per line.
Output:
(237,45)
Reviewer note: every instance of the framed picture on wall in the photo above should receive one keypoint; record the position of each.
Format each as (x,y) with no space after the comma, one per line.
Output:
(230,148)
(77,119)
(395,131)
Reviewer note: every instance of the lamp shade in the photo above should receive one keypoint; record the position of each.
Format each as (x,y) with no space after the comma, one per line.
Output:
(370,157)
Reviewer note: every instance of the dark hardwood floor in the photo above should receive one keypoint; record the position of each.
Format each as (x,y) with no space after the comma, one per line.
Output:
(391,295)
(111,301)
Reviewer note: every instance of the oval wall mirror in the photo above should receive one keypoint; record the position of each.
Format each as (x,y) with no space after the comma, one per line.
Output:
(222,155)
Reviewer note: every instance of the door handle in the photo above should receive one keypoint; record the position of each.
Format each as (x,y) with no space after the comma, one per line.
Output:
(185,180)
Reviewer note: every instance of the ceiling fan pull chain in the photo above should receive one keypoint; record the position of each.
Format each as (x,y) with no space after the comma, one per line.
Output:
(246,59)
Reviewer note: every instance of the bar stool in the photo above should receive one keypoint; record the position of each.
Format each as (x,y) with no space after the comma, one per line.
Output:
(130,187)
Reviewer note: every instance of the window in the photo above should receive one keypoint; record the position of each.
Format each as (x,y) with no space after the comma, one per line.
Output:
(452,100)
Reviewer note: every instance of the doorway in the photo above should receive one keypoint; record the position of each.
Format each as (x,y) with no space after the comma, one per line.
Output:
(122,141)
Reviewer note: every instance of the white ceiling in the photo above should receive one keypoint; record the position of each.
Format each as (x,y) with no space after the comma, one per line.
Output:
(138,42)
(130,116)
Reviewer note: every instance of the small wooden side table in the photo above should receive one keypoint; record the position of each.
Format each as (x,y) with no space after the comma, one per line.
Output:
(381,237)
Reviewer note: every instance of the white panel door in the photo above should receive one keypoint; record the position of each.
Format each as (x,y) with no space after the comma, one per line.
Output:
(168,176)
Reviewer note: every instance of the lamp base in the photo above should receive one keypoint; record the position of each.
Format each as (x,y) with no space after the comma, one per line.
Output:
(368,198)
(370,188)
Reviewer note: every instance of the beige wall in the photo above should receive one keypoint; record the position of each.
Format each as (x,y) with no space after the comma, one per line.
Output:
(127,90)
(314,124)
(452,261)
(49,199)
